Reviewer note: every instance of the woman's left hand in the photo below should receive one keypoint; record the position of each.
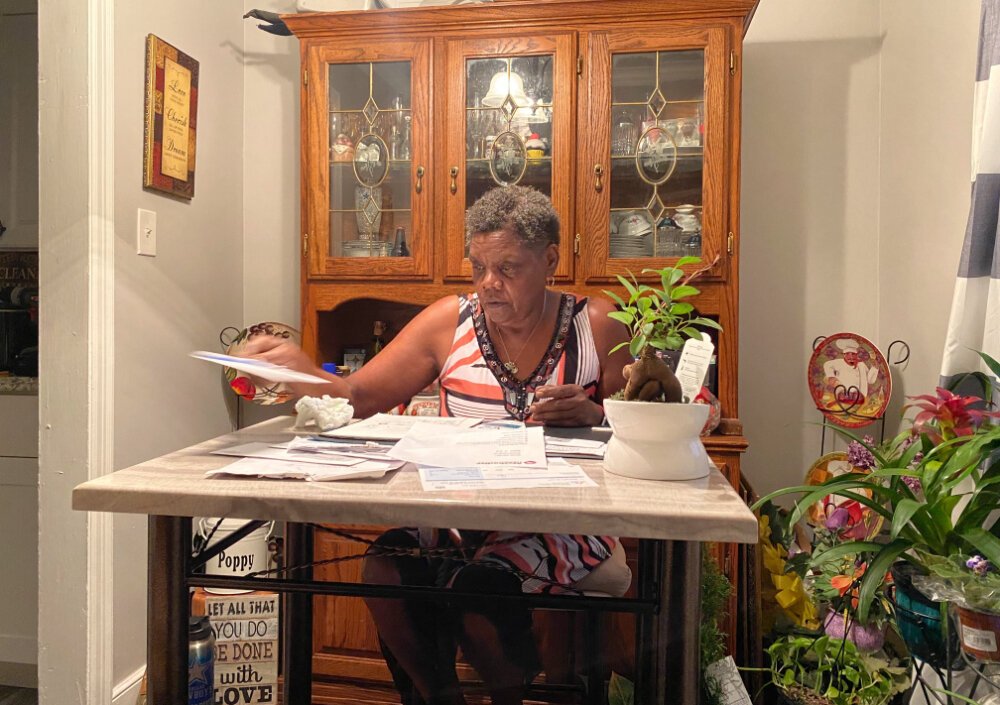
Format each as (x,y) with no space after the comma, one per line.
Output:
(565,405)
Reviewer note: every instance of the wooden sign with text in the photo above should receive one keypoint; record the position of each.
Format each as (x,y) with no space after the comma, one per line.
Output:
(171,113)
(246,645)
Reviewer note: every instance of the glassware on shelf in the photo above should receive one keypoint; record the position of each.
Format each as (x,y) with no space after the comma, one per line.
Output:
(669,239)
(623,135)
(399,246)
(368,207)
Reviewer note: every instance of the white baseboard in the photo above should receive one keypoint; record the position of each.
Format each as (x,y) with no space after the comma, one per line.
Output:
(19,675)
(127,691)
(15,648)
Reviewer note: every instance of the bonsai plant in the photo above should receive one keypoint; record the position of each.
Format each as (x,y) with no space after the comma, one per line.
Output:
(658,319)
(657,441)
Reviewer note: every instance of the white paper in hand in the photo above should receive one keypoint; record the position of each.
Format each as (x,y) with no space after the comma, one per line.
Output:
(258,368)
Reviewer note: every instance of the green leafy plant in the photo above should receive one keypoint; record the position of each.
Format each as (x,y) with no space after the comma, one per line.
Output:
(715,592)
(827,670)
(971,581)
(658,319)
(936,486)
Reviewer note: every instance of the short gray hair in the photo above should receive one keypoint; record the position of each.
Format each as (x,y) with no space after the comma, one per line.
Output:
(523,211)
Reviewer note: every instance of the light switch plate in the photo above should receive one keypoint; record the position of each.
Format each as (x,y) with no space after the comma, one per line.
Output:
(146,233)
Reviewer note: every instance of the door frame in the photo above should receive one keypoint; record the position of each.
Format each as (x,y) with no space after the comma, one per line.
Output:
(76,340)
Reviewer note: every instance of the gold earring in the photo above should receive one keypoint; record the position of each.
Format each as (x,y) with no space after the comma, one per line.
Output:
(550,282)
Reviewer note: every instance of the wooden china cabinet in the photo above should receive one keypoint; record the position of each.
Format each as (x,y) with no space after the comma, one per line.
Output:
(626,113)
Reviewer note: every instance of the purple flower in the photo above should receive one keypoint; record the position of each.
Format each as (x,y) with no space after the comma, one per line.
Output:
(917,459)
(859,456)
(913,483)
(837,519)
(978,565)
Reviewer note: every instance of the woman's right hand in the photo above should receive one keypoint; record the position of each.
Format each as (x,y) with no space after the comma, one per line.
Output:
(278,351)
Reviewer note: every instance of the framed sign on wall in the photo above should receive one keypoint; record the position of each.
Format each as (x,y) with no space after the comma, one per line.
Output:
(171,112)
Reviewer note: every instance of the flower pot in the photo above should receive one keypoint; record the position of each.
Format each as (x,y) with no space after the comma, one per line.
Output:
(919,622)
(656,441)
(867,637)
(980,634)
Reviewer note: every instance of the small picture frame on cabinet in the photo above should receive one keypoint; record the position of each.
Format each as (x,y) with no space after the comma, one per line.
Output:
(354,358)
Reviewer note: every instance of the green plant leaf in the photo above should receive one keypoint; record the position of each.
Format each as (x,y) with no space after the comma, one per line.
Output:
(984,542)
(615,297)
(658,344)
(683,291)
(904,510)
(622,316)
(848,548)
(993,364)
(618,347)
(627,284)
(875,575)
(680,308)
(621,691)
(684,261)
(705,322)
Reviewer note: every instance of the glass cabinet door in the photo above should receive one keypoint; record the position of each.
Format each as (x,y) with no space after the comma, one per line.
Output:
(368,157)
(508,123)
(657,155)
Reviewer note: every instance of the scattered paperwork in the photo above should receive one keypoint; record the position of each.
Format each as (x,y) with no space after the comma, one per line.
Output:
(554,474)
(391,427)
(263,467)
(507,444)
(278,452)
(557,447)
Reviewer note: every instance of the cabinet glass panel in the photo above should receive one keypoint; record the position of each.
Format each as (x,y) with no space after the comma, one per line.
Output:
(657,163)
(370,127)
(508,124)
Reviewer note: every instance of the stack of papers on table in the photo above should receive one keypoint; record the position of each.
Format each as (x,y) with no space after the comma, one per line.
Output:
(493,455)
(556,447)
(301,459)
(392,427)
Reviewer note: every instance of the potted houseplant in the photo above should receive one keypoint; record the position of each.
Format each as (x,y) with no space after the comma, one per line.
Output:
(936,486)
(651,422)
(972,585)
(810,670)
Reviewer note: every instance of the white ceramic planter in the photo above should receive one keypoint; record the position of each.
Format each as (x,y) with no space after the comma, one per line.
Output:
(656,441)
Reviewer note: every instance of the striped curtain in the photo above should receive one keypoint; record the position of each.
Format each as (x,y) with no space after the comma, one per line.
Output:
(975,309)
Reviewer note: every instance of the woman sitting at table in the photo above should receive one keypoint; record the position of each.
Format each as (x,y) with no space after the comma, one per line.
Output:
(512,349)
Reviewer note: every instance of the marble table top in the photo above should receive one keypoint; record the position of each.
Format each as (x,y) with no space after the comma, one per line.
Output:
(175,485)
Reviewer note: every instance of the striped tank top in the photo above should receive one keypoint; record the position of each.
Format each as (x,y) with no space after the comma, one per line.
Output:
(474,382)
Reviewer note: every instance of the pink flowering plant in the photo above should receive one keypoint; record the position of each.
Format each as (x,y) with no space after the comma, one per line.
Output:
(936,487)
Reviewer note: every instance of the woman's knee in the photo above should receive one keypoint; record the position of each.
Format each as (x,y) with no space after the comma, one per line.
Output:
(386,561)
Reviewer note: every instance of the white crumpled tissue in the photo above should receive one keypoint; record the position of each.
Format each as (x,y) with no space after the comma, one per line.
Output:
(327,412)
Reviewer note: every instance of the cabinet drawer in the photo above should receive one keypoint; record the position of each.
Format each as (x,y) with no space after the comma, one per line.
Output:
(19,426)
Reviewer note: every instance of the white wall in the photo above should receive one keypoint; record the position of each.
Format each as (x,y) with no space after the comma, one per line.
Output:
(181,299)
(270,183)
(928,69)
(855,186)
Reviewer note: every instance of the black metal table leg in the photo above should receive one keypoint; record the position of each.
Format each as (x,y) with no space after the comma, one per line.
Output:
(297,624)
(168,609)
(678,676)
(648,574)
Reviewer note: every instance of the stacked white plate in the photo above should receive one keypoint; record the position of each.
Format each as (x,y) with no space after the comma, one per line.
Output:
(366,248)
(630,246)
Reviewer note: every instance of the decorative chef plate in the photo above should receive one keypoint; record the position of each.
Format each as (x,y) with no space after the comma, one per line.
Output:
(847,517)
(849,380)
(253,389)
